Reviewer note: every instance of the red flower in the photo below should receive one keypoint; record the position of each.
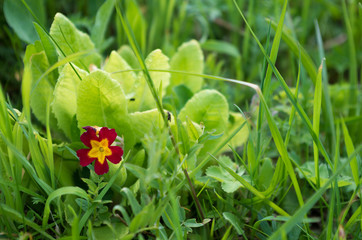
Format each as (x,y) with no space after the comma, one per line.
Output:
(99,141)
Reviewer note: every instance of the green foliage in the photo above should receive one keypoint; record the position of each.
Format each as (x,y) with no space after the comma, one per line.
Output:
(70,40)
(194,167)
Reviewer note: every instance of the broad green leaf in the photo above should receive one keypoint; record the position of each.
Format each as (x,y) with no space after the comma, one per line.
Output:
(65,99)
(145,122)
(127,79)
(70,40)
(48,45)
(208,107)
(266,173)
(127,54)
(188,58)
(20,19)
(228,183)
(143,99)
(101,102)
(42,93)
(100,26)
(221,47)
(235,120)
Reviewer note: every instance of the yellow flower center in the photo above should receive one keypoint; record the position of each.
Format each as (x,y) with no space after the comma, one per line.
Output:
(99,150)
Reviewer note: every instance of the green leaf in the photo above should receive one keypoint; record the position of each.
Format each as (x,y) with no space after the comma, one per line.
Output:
(235,120)
(143,99)
(58,193)
(350,149)
(127,79)
(42,93)
(127,54)
(221,47)
(48,45)
(144,122)
(20,20)
(188,58)
(64,105)
(142,219)
(317,103)
(112,231)
(228,183)
(136,207)
(266,173)
(101,102)
(208,107)
(99,28)
(191,223)
(71,40)
(234,221)
(309,171)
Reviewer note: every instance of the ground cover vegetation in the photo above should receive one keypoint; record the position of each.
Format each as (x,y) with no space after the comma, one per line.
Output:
(180,119)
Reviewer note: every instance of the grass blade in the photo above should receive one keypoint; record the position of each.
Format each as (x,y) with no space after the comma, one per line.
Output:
(289,94)
(316,119)
(58,193)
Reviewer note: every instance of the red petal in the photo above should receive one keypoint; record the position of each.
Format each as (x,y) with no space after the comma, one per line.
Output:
(89,135)
(84,159)
(101,169)
(117,153)
(108,133)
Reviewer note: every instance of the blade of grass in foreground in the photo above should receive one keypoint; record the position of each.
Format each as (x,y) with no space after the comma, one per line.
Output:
(316,120)
(326,103)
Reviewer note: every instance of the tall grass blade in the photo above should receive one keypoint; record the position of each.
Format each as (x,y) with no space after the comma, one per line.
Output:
(328,109)
(350,149)
(353,96)
(274,50)
(298,50)
(285,87)
(137,51)
(316,120)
